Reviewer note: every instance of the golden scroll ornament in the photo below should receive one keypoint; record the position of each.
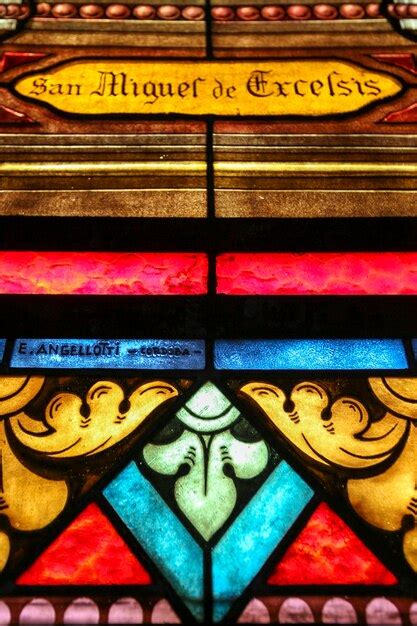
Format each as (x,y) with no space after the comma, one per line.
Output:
(302,87)
(72,427)
(342,438)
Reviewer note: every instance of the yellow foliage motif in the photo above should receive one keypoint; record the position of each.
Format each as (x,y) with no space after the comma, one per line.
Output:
(70,432)
(71,428)
(345,437)
(341,436)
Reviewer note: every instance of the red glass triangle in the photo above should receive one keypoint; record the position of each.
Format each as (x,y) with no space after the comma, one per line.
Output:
(10,116)
(88,552)
(328,552)
(405,60)
(14,59)
(408,115)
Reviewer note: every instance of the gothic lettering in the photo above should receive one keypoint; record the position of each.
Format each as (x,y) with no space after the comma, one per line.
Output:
(306,87)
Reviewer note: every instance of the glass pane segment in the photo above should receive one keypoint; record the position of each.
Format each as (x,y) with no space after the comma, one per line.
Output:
(317,273)
(161,535)
(208,461)
(247,544)
(103,273)
(148,354)
(327,552)
(88,552)
(310,354)
(116,169)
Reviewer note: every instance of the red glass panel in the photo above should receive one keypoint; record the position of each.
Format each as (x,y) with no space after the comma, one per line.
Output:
(88,552)
(102,273)
(328,552)
(318,273)
(10,60)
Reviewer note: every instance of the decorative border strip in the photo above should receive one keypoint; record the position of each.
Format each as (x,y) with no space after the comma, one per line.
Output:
(229,354)
(329,610)
(92,11)
(269,12)
(326,609)
(298,12)
(15,11)
(303,12)
(83,610)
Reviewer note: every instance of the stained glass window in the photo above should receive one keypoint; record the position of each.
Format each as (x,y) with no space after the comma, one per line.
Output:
(208,340)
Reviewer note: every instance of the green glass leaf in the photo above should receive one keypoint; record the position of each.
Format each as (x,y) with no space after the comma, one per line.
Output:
(207,458)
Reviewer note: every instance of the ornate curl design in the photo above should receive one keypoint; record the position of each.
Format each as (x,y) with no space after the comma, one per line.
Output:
(207,458)
(341,437)
(71,428)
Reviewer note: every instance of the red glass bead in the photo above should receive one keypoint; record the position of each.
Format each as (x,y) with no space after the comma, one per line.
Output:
(193,13)
(273,12)
(169,12)
(325,12)
(64,9)
(91,11)
(248,14)
(117,11)
(352,11)
(299,12)
(223,14)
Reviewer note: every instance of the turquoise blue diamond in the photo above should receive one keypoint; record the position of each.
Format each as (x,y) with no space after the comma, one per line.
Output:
(236,558)
(161,534)
(256,532)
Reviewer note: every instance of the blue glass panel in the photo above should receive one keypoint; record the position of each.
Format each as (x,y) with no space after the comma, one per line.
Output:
(2,347)
(251,539)
(310,354)
(147,354)
(161,534)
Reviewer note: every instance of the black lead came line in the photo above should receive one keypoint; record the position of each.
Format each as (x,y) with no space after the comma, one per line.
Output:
(209,30)
(211,245)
